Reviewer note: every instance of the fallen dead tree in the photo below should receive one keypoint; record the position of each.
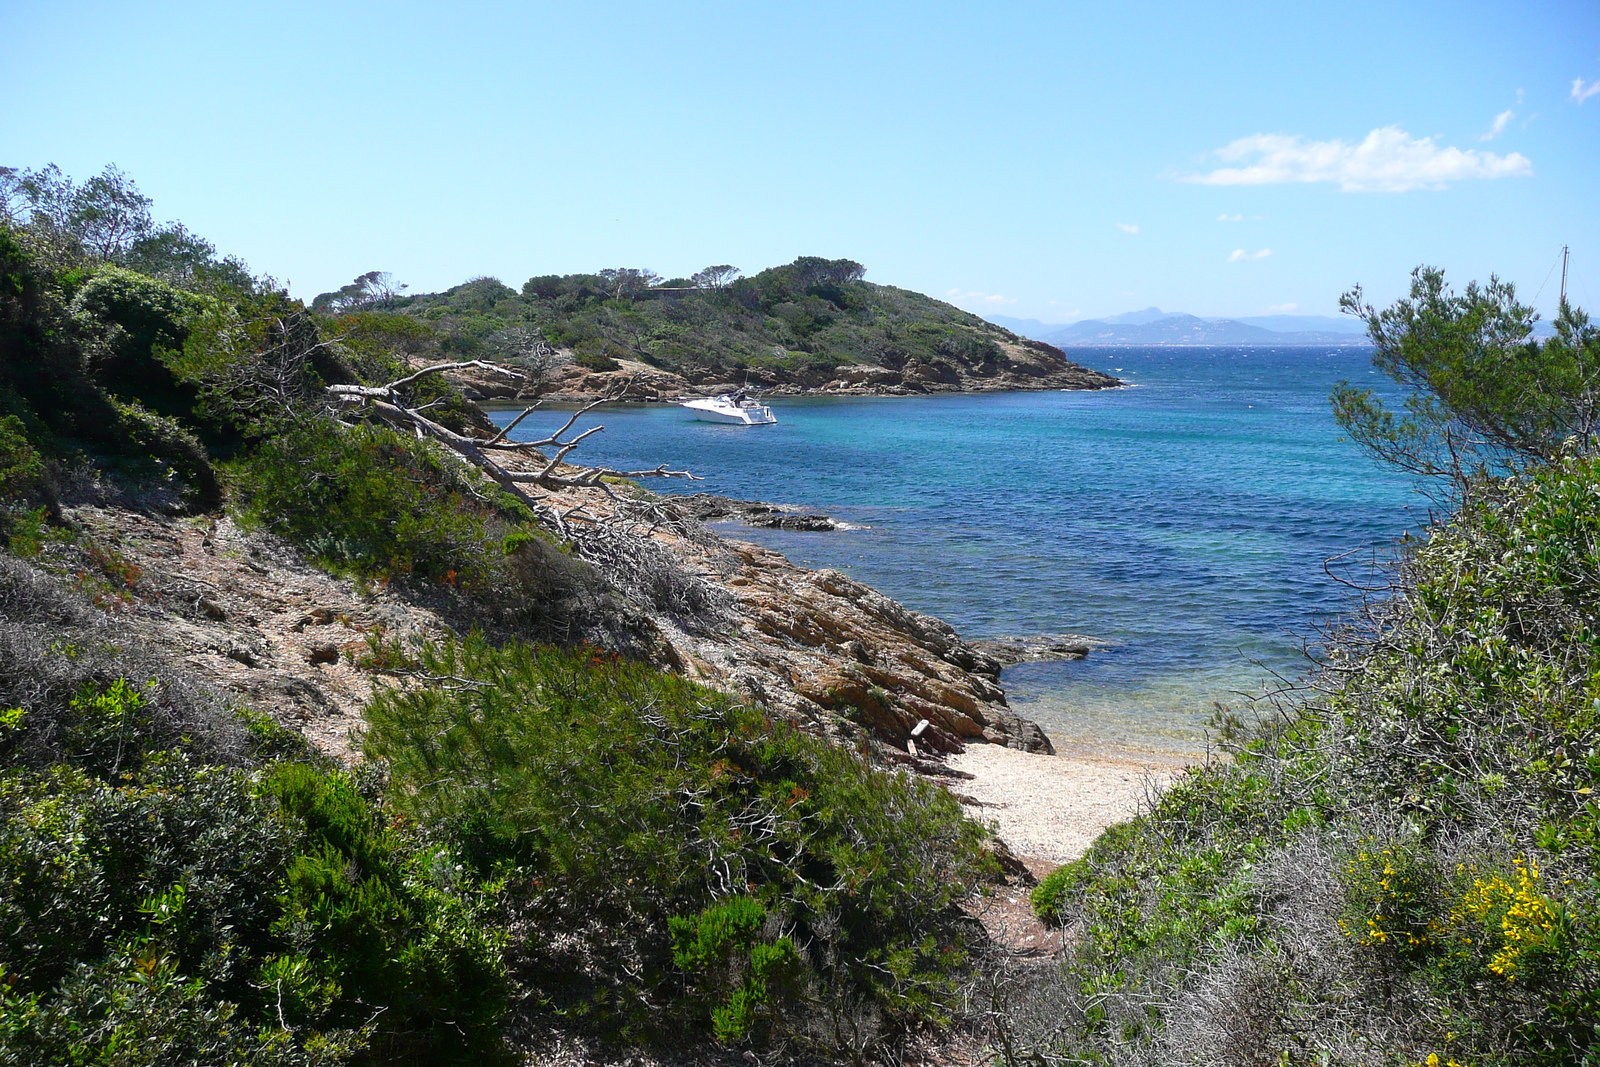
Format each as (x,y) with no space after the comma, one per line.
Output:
(388,403)
(616,538)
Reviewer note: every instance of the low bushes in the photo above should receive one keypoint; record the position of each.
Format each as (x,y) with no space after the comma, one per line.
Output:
(674,857)
(169,911)
(1403,869)
(368,501)
(371,503)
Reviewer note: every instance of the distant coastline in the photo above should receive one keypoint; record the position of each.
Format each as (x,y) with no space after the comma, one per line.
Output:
(1153,327)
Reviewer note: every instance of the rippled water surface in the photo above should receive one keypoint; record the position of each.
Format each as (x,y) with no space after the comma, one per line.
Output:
(1186,519)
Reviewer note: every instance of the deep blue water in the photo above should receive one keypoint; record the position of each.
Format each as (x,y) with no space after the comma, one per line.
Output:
(1186,518)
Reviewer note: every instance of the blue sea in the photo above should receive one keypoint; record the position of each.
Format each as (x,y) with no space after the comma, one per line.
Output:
(1186,519)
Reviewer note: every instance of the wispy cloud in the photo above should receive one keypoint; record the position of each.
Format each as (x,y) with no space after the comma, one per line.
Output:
(1388,160)
(1225,217)
(1496,128)
(1127,227)
(1582,90)
(961,296)
(1282,309)
(1240,255)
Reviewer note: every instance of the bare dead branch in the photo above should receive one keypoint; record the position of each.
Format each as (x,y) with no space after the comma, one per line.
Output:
(384,403)
(512,425)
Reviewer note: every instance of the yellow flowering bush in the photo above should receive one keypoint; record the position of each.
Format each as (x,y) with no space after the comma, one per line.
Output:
(1393,901)
(1518,922)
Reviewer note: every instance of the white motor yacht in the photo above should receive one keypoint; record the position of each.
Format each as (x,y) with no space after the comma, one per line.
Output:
(737,408)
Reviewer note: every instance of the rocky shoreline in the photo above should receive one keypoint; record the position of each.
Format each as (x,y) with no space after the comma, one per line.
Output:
(708,507)
(1024,365)
(249,615)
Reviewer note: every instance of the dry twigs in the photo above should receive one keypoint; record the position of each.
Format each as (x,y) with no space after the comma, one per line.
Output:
(388,403)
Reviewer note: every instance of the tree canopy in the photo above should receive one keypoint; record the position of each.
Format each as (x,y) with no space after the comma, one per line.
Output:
(1485,397)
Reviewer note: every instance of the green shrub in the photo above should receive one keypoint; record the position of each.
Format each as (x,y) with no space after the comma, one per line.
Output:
(130,322)
(370,923)
(21,468)
(617,799)
(1055,891)
(215,912)
(26,496)
(598,354)
(730,968)
(368,501)
(133,1008)
(61,359)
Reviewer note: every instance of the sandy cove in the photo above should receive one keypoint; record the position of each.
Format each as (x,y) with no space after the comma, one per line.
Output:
(1051,808)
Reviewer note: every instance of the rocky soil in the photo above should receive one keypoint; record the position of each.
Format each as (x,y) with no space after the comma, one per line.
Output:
(249,615)
(245,613)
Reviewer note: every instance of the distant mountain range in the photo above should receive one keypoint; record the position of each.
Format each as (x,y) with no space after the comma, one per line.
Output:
(1152,326)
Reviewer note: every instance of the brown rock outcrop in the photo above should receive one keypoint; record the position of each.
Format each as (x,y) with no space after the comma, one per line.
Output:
(250,616)
(824,648)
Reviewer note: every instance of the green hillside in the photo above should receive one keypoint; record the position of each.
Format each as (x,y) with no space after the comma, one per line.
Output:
(796,325)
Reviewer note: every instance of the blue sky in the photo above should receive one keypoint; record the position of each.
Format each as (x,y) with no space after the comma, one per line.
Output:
(1054,161)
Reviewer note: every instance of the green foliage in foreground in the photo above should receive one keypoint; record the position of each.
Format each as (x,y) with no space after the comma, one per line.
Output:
(1485,398)
(1406,867)
(674,856)
(609,848)
(160,910)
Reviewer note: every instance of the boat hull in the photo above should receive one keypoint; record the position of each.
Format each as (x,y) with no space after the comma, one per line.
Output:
(710,411)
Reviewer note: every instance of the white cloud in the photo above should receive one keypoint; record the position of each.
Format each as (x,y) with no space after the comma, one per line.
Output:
(1282,309)
(960,296)
(1225,217)
(1240,255)
(1501,121)
(1582,90)
(1388,160)
(1127,227)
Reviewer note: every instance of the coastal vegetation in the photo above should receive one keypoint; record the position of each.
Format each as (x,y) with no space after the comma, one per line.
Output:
(544,840)
(1397,865)
(798,325)
(546,836)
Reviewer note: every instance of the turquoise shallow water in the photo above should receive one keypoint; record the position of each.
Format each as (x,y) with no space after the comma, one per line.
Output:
(1186,518)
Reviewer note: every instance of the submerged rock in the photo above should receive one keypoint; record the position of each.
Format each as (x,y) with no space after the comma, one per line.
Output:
(708,507)
(1012,650)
